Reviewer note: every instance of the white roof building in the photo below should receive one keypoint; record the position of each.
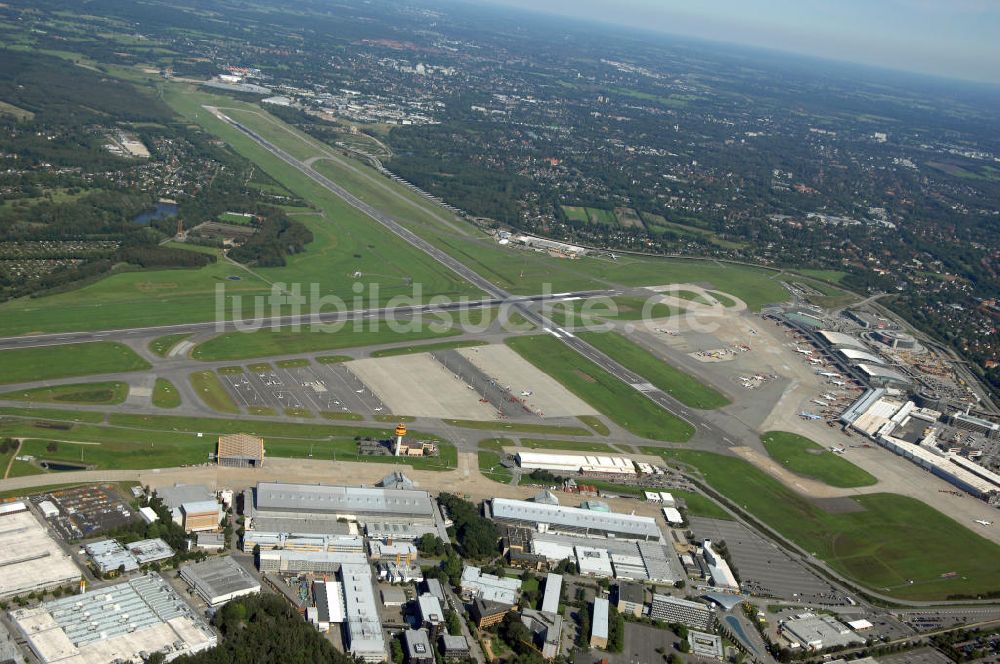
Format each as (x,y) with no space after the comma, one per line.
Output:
(575,520)
(489,587)
(673,516)
(722,576)
(576,463)
(553,590)
(30,559)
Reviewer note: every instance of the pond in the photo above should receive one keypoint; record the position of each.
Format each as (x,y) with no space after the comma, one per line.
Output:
(159,211)
(60,466)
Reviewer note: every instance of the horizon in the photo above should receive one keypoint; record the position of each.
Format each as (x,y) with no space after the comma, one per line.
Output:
(964,48)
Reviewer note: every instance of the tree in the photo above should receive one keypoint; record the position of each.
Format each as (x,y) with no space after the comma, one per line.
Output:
(396,653)
(430,545)
(453,622)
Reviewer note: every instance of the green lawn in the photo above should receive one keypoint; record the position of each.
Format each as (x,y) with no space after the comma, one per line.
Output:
(165,394)
(614,399)
(210,390)
(333,359)
(890,542)
(111,392)
(427,348)
(596,424)
(682,386)
(53,414)
(163,345)
(699,505)
(690,295)
(539,443)
(244,345)
(804,457)
(622,307)
(520,427)
(136,454)
(489,466)
(293,364)
(44,363)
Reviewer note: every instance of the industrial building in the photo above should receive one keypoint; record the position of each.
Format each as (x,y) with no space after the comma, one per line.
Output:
(218,580)
(972,423)
(329,609)
(600,624)
(301,542)
(417,647)
(398,551)
(240,450)
(558,518)
(320,501)
(546,630)
(676,610)
(854,356)
(718,568)
(201,515)
(639,561)
(110,556)
(475,584)
(280,561)
(883,377)
(121,623)
(631,598)
(553,593)
(30,559)
(577,463)
(817,632)
(363,628)
(430,610)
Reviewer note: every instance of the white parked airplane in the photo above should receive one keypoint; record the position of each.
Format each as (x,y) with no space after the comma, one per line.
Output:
(829,397)
(984,522)
(806,415)
(526,393)
(820,402)
(803,351)
(838,383)
(828,374)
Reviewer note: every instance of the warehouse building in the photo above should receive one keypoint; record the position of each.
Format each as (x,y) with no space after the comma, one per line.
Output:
(30,559)
(817,632)
(600,624)
(201,516)
(240,450)
(218,580)
(558,518)
(431,613)
(296,562)
(676,610)
(718,568)
(364,637)
(577,463)
(329,610)
(326,502)
(301,542)
(121,623)
(553,593)
(110,556)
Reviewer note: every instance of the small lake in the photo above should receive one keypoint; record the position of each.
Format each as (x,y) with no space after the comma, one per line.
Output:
(159,211)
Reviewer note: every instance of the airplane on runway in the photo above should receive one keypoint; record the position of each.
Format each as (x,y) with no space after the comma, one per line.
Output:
(361,391)
(806,415)
(984,522)
(838,450)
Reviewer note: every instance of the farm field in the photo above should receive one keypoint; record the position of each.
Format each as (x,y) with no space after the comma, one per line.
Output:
(804,457)
(112,392)
(685,388)
(919,541)
(47,362)
(615,400)
(267,342)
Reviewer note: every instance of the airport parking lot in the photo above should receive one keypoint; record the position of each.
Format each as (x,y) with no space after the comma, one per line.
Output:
(329,388)
(86,511)
(765,568)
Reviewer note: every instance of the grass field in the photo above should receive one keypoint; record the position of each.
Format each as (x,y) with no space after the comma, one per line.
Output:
(53,414)
(112,392)
(44,363)
(804,457)
(210,390)
(571,445)
(489,466)
(427,348)
(612,398)
(682,386)
(263,343)
(333,359)
(699,505)
(292,364)
(596,424)
(520,427)
(891,541)
(163,345)
(622,307)
(165,394)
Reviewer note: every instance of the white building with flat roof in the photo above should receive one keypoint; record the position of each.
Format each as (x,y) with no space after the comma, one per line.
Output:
(576,463)
(574,520)
(476,584)
(718,568)
(30,559)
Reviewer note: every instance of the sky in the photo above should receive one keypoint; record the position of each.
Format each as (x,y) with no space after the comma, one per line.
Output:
(951,38)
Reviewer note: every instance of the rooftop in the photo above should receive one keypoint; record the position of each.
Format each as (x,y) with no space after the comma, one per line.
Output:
(626,525)
(284,497)
(174,496)
(29,557)
(241,445)
(220,577)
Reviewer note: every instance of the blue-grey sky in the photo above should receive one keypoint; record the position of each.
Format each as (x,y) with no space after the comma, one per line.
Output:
(954,38)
